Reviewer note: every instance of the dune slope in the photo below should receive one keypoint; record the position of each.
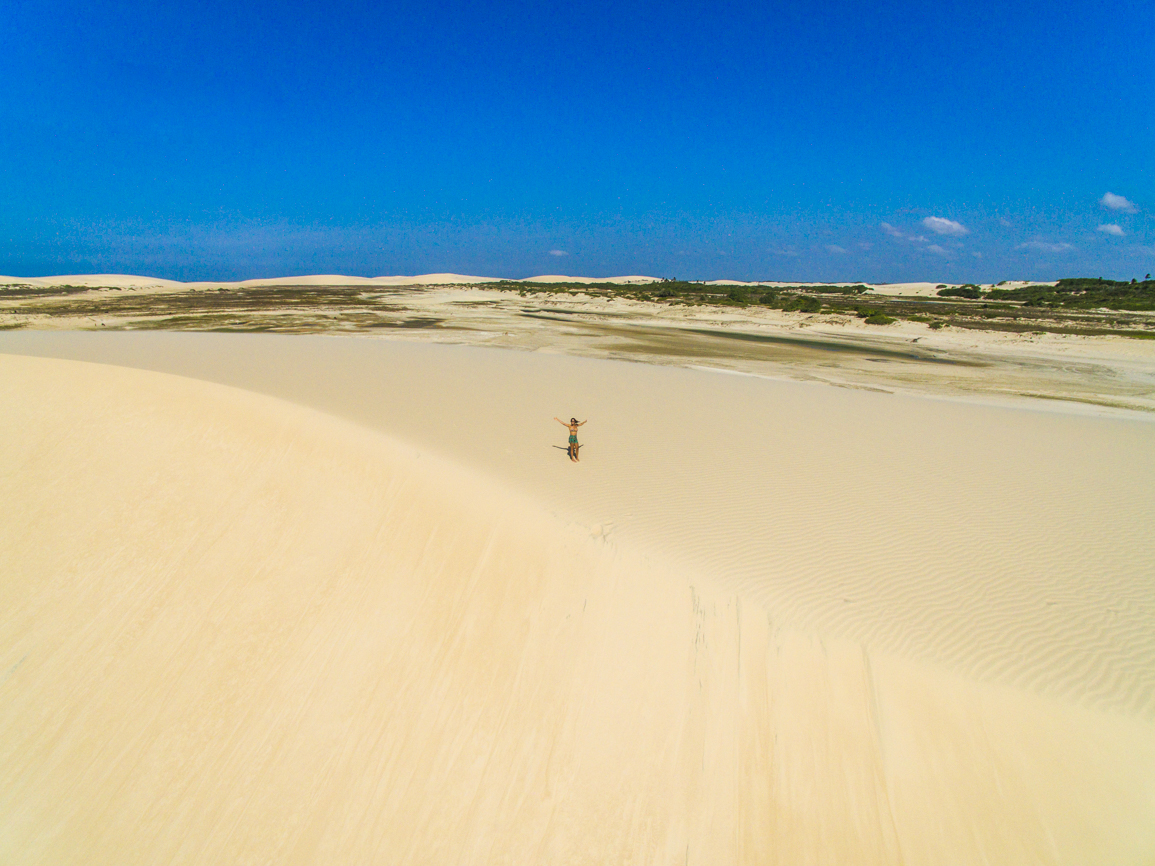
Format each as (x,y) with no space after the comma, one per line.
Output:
(242,630)
(1005,545)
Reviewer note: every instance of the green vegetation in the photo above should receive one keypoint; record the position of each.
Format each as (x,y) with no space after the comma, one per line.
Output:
(1083,294)
(874,317)
(799,303)
(968,291)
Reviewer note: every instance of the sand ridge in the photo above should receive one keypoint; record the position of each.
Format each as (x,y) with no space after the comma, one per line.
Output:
(250,629)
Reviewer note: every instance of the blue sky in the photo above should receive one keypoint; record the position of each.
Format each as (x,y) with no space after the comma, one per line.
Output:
(884,141)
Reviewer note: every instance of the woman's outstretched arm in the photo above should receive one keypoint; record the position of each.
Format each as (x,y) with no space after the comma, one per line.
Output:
(559,421)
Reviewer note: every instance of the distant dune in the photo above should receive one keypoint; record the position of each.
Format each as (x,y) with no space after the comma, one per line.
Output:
(134,282)
(129,281)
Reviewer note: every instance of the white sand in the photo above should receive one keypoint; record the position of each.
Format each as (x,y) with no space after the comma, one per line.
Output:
(761,622)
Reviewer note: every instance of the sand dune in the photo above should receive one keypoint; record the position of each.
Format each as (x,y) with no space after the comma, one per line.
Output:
(827,627)
(126,281)
(561,278)
(1009,544)
(136,282)
(129,281)
(339,280)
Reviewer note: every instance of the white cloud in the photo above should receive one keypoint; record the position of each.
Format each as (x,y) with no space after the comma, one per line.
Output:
(834,248)
(865,245)
(1111,229)
(558,253)
(937,250)
(943,226)
(784,252)
(1117,202)
(899,233)
(1045,247)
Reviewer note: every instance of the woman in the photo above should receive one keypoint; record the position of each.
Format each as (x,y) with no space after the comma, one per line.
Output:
(573,443)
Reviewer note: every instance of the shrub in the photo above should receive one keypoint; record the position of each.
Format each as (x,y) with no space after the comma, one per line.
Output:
(803,304)
(1083,293)
(879,319)
(971,292)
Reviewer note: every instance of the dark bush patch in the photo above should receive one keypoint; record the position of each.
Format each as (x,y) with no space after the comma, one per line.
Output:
(971,292)
(802,304)
(1083,293)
